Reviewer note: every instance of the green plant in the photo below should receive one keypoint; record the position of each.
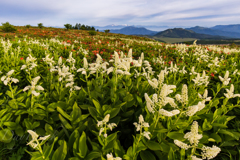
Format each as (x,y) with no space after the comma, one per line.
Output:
(28,26)
(40,25)
(68,26)
(19,154)
(7,27)
(92,33)
(107,31)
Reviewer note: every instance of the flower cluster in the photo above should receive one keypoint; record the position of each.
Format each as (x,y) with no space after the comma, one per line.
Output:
(34,143)
(8,79)
(201,80)
(193,137)
(230,93)
(141,124)
(34,86)
(225,80)
(104,126)
(30,63)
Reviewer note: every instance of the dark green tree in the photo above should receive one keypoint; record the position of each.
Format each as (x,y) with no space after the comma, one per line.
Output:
(40,25)
(7,27)
(68,26)
(107,31)
(28,26)
(83,27)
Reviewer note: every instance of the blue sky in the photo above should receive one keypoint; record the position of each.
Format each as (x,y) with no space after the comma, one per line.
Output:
(187,13)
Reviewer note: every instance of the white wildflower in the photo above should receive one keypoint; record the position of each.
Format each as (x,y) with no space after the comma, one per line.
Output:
(230,93)
(210,152)
(181,144)
(225,80)
(193,136)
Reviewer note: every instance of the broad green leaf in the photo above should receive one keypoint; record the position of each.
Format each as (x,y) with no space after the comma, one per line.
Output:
(83,145)
(73,137)
(92,155)
(176,135)
(64,122)
(48,128)
(64,114)
(114,112)
(47,149)
(230,133)
(206,125)
(98,107)
(171,154)
(153,145)
(76,112)
(128,98)
(6,135)
(85,106)
(61,152)
(147,155)
(93,112)
(216,137)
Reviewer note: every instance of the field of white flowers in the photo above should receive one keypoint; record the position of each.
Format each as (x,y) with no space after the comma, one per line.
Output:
(57,104)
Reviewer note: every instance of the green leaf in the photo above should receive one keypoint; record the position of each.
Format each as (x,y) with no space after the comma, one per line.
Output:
(19,131)
(47,149)
(165,147)
(65,123)
(146,155)
(171,154)
(153,145)
(176,135)
(98,107)
(83,145)
(13,104)
(85,106)
(162,130)
(215,103)
(35,125)
(64,114)
(73,137)
(10,125)
(219,125)
(206,125)
(111,137)
(6,136)
(9,94)
(128,98)
(93,112)
(230,133)
(114,112)
(92,155)
(48,128)
(216,137)
(76,112)
(61,152)
(229,144)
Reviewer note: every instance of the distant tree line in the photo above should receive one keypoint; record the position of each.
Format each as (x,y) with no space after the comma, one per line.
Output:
(78,26)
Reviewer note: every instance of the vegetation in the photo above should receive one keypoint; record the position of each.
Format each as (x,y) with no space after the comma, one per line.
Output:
(68,95)
(78,26)
(40,25)
(7,27)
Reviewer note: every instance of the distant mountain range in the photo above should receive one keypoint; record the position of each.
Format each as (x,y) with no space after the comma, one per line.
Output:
(234,33)
(130,30)
(228,28)
(183,33)
(216,32)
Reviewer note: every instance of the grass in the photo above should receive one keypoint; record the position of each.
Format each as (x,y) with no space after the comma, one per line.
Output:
(173,40)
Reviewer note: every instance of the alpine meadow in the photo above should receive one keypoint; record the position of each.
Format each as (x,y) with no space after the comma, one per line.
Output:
(79,94)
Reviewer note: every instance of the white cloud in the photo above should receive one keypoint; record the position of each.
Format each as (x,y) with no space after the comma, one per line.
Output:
(104,12)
